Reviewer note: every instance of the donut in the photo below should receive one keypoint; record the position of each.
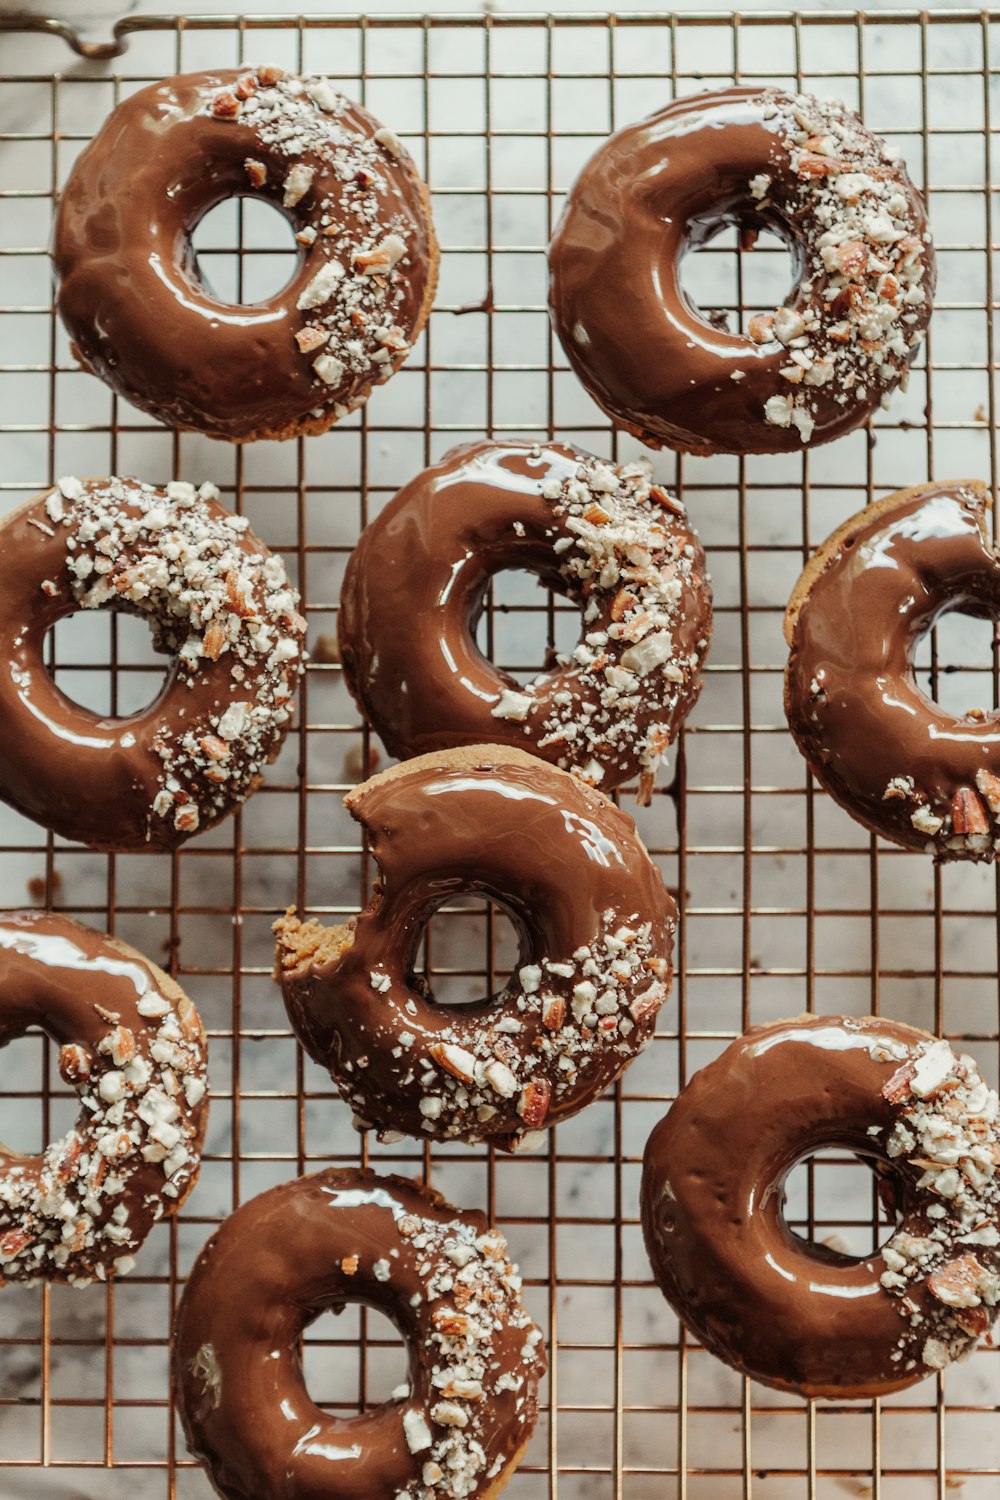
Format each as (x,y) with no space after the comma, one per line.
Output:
(810,172)
(606,537)
(897,761)
(804,1317)
(457,1428)
(131,1045)
(595,925)
(142,316)
(218,604)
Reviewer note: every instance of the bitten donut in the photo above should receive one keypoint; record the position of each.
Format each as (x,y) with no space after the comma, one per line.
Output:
(218,603)
(596,930)
(804,168)
(609,539)
(457,1429)
(137,307)
(805,1317)
(131,1045)
(896,760)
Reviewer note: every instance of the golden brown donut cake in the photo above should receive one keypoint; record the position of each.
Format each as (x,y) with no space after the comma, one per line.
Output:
(595,925)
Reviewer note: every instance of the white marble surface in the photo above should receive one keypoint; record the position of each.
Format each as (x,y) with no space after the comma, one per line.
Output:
(609,1320)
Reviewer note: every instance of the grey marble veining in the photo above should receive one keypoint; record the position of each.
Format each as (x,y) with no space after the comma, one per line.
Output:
(609,1320)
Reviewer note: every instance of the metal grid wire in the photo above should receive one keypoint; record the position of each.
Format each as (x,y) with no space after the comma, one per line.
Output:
(786,904)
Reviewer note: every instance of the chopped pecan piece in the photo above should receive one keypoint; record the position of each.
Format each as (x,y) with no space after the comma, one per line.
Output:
(225,105)
(553,1013)
(533,1105)
(215,639)
(967,812)
(898,1086)
(958,1283)
(309,339)
(761,328)
(454,1060)
(621,604)
(989,786)
(852,257)
(74,1063)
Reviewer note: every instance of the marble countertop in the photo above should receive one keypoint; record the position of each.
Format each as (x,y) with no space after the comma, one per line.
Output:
(755,840)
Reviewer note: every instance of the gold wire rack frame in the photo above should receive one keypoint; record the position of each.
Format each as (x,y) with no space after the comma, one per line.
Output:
(786,905)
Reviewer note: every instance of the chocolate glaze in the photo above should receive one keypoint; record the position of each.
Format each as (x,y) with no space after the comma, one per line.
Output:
(106,781)
(664,186)
(806,1317)
(879,745)
(118,1020)
(583,894)
(429,557)
(314,1245)
(129,290)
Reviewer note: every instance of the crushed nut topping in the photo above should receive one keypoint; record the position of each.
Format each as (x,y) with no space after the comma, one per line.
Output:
(213,595)
(583,1013)
(100,1187)
(625,555)
(945,1140)
(336,182)
(473,1298)
(865,261)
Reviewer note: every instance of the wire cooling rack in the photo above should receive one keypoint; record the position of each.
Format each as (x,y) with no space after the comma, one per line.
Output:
(786,904)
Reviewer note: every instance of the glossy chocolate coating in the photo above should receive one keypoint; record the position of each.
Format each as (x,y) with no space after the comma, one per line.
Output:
(129,290)
(570,871)
(93,778)
(650,359)
(851,696)
(414,590)
(314,1245)
(110,1011)
(792,1315)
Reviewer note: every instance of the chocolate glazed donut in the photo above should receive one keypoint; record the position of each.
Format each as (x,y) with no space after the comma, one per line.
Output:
(606,537)
(441,1274)
(805,1317)
(596,929)
(141,315)
(892,757)
(219,605)
(810,172)
(131,1044)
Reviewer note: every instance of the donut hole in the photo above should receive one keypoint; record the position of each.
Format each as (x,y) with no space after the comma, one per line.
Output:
(22,1075)
(103,661)
(833,1204)
(245,251)
(524,625)
(954,663)
(353,1360)
(730,272)
(469,950)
